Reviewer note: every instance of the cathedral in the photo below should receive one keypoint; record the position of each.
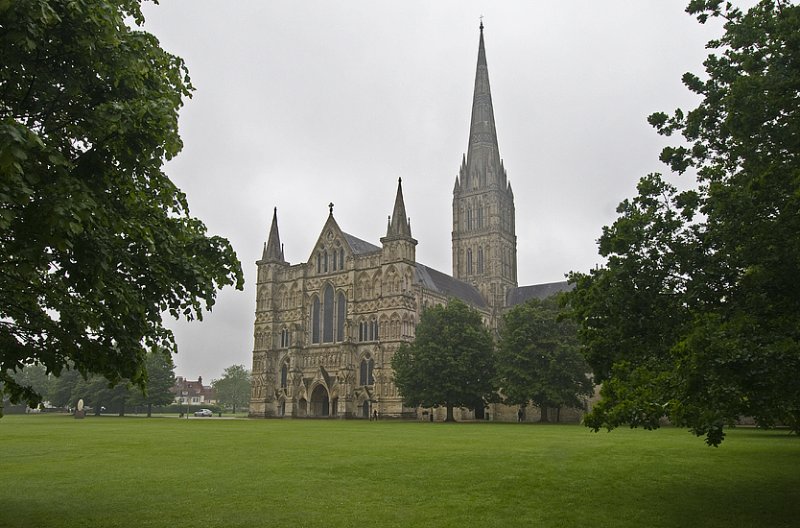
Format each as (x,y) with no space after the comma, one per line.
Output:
(326,329)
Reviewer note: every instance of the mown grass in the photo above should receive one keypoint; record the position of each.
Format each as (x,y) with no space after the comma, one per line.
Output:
(156,472)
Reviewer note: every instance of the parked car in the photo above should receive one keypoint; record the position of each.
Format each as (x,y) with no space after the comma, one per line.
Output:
(204,412)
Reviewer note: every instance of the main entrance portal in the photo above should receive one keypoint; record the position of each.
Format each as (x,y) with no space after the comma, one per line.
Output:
(320,403)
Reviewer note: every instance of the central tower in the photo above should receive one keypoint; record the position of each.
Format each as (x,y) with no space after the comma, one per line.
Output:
(484,239)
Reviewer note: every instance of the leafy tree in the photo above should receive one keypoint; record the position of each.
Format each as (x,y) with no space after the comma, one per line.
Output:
(233,388)
(696,316)
(538,358)
(34,376)
(96,241)
(63,388)
(450,363)
(99,394)
(160,381)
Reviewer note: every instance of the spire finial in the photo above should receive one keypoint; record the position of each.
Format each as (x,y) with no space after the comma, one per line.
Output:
(330,207)
(481,17)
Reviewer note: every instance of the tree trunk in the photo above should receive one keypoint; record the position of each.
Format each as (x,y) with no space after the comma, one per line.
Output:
(122,409)
(149,409)
(543,418)
(450,417)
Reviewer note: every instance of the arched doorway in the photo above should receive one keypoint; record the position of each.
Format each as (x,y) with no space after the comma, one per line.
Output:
(365,409)
(301,408)
(320,403)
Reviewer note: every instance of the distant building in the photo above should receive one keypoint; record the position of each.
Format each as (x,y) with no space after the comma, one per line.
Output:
(193,392)
(326,329)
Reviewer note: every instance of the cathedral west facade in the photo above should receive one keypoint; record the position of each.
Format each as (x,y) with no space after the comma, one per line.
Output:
(326,329)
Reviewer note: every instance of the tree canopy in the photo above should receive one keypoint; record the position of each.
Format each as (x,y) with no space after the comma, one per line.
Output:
(96,242)
(696,315)
(450,363)
(233,388)
(538,359)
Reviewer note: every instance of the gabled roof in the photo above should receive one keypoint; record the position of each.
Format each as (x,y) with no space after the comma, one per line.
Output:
(358,246)
(522,294)
(449,286)
(428,277)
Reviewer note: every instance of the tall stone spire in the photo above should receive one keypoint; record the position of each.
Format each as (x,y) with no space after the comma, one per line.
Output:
(483,154)
(273,250)
(399,225)
(484,240)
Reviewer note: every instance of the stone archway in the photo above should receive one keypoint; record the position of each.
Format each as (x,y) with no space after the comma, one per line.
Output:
(320,402)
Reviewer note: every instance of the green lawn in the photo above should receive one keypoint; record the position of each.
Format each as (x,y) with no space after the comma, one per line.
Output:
(109,471)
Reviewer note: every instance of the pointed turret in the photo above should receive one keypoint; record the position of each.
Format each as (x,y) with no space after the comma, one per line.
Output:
(398,245)
(399,225)
(273,250)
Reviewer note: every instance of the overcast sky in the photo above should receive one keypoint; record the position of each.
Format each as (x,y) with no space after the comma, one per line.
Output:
(299,104)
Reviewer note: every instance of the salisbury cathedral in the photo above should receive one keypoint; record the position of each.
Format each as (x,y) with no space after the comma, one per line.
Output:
(326,329)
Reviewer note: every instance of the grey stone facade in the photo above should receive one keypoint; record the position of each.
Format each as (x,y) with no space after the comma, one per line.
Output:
(326,329)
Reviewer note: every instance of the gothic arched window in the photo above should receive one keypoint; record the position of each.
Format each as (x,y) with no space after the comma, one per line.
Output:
(480,260)
(469,261)
(327,314)
(315,308)
(366,377)
(341,311)
(285,375)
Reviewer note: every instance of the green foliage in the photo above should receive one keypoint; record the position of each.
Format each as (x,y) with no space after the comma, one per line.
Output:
(33,376)
(233,388)
(97,391)
(96,241)
(538,358)
(160,380)
(450,362)
(696,316)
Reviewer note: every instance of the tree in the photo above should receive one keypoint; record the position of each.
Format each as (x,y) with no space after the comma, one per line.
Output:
(538,358)
(63,389)
(160,381)
(36,377)
(450,363)
(96,241)
(233,388)
(696,316)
